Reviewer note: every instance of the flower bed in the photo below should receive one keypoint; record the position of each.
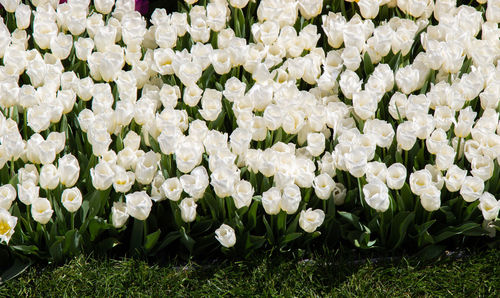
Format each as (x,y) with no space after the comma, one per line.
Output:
(247,125)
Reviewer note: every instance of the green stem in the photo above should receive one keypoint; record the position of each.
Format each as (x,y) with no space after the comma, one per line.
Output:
(382,227)
(457,157)
(360,190)
(72,220)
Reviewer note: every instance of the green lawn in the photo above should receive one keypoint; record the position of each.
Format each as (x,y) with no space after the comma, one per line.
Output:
(474,275)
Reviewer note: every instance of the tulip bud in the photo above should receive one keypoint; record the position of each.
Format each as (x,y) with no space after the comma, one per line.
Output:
(188,209)
(396,176)
(72,199)
(27,192)
(49,177)
(291,199)
(339,193)
(119,214)
(146,167)
(310,220)
(23,16)
(41,210)
(430,198)
(172,188)
(323,185)
(7,196)
(7,225)
(376,196)
(102,176)
(271,200)
(69,170)
(472,188)
(489,206)
(243,193)
(225,235)
(138,205)
(454,178)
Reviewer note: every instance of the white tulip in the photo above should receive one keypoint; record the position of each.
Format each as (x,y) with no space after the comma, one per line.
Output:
(225,235)
(119,214)
(188,209)
(41,210)
(376,196)
(271,200)
(472,188)
(71,199)
(7,224)
(138,205)
(430,198)
(310,220)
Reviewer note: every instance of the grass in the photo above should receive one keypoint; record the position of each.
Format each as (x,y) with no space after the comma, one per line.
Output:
(475,275)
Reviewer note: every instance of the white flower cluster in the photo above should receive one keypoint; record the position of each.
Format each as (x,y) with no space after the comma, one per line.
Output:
(128,63)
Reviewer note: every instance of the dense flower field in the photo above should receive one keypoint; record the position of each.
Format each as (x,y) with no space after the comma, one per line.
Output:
(248,125)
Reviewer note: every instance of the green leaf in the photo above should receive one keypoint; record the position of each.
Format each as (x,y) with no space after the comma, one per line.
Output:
(281,222)
(96,227)
(18,267)
(367,64)
(56,250)
(351,218)
(431,252)
(292,227)
(448,212)
(399,227)
(27,249)
(154,144)
(453,231)
(252,216)
(290,237)
(394,63)
(405,199)
(72,243)
(137,236)
(171,237)
(187,240)
(151,240)
(269,231)
(96,203)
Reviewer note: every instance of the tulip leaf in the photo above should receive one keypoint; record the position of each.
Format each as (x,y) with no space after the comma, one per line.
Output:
(448,212)
(28,249)
(186,239)
(453,231)
(351,218)
(137,236)
(471,209)
(399,227)
(56,250)
(290,237)
(269,231)
(394,62)
(406,198)
(431,252)
(96,227)
(367,64)
(72,243)
(292,227)
(18,267)
(151,240)
(252,216)
(154,144)
(281,222)
(171,237)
